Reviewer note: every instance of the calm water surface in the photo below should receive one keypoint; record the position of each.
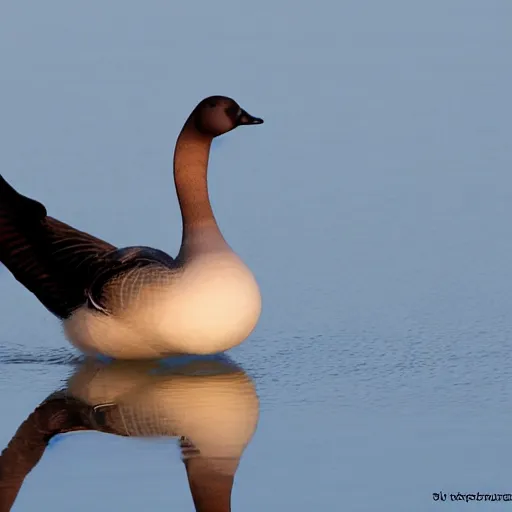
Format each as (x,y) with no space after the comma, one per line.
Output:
(373,205)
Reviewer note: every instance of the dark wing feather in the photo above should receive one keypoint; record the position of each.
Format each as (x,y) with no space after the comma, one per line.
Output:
(53,260)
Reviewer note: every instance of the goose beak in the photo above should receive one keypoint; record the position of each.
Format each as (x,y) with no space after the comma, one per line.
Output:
(246,118)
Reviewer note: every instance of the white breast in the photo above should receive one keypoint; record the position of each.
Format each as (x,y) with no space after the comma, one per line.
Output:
(211,306)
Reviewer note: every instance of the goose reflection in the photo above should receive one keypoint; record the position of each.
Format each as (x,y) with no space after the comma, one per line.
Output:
(210,404)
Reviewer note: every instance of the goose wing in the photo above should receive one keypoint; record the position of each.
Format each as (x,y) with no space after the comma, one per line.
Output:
(53,260)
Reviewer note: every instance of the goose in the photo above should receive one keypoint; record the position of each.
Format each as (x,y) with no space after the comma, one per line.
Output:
(204,301)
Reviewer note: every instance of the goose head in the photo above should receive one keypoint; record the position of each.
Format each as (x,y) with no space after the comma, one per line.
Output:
(217,115)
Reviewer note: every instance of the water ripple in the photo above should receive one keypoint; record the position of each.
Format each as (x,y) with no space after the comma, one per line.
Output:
(12,354)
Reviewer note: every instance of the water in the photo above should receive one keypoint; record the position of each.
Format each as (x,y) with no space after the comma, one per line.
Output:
(373,206)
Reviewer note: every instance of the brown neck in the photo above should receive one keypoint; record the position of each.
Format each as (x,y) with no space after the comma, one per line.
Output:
(200,230)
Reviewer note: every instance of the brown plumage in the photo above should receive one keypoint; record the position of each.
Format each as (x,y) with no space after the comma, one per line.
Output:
(53,260)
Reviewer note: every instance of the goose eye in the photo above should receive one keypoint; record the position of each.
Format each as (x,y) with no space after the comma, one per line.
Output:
(233,112)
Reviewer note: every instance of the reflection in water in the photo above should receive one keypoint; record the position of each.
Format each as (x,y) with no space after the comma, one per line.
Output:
(210,404)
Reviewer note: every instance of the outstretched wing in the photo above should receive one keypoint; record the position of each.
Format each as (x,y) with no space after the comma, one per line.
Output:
(53,260)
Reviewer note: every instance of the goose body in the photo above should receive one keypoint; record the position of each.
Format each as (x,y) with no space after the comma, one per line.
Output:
(204,301)
(208,305)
